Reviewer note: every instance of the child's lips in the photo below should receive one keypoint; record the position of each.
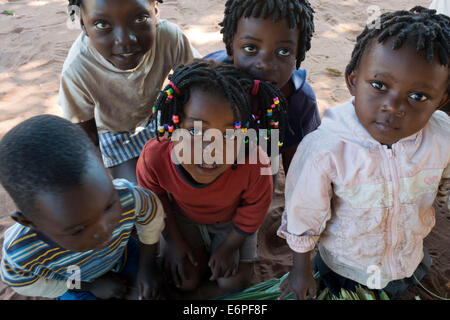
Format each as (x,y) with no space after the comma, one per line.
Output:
(127,55)
(207,168)
(385,126)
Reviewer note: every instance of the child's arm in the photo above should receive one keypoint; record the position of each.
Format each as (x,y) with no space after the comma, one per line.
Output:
(185,51)
(300,280)
(250,214)
(149,225)
(149,278)
(179,250)
(76,103)
(90,127)
(307,210)
(222,262)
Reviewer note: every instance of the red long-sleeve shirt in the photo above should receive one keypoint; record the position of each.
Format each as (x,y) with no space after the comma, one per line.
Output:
(241,195)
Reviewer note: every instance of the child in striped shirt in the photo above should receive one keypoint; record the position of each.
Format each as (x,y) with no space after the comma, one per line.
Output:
(72,238)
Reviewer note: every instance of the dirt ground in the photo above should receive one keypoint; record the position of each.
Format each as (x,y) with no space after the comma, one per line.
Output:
(35,41)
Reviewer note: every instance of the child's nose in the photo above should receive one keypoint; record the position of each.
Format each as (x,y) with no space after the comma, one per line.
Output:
(264,61)
(125,37)
(393,105)
(103,231)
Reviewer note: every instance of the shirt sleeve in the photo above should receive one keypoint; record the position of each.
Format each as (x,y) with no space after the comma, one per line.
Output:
(76,103)
(302,117)
(312,118)
(255,203)
(185,51)
(150,216)
(28,284)
(308,197)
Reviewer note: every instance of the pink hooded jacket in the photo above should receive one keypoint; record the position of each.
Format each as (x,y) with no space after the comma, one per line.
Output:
(369,206)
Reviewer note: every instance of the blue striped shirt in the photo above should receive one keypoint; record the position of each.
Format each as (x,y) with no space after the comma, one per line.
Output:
(29,255)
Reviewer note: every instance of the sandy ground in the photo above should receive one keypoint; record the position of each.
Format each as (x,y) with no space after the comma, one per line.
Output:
(35,41)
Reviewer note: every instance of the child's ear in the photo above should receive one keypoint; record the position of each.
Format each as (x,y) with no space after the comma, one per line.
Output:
(350,80)
(82,23)
(157,13)
(18,217)
(444,101)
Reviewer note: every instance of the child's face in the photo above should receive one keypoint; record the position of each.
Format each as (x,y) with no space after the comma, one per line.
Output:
(396,91)
(266,49)
(215,113)
(82,218)
(122,31)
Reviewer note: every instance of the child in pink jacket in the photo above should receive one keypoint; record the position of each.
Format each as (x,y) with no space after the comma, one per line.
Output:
(363,184)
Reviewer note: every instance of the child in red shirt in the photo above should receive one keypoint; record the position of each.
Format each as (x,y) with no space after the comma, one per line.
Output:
(214,207)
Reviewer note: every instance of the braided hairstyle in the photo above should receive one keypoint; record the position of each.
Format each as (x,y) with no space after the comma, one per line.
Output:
(227,81)
(298,13)
(78,3)
(421,26)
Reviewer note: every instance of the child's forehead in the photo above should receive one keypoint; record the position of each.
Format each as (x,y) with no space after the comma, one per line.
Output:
(104,5)
(259,28)
(203,104)
(404,65)
(260,22)
(92,194)
(408,50)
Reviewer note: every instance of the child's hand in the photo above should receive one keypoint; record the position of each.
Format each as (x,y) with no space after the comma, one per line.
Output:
(175,257)
(300,279)
(300,284)
(149,282)
(108,286)
(222,262)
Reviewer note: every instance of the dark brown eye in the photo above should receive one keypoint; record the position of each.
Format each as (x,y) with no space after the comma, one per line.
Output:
(141,19)
(378,85)
(102,25)
(249,49)
(418,97)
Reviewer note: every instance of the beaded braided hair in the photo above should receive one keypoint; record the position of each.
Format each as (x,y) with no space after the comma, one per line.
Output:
(236,85)
(299,14)
(422,27)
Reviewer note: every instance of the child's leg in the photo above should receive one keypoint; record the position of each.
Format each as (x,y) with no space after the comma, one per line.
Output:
(194,274)
(190,232)
(244,257)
